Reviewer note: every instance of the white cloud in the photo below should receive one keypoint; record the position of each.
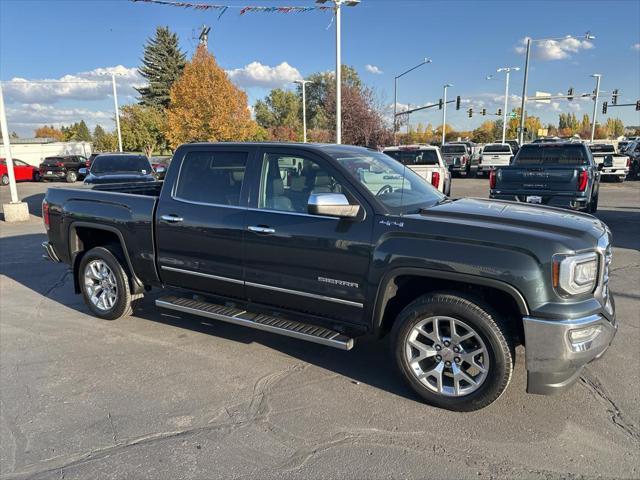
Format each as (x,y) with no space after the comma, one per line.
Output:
(555,49)
(373,69)
(91,85)
(636,47)
(256,74)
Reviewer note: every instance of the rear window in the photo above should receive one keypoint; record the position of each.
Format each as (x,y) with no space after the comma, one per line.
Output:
(602,149)
(212,177)
(460,149)
(414,157)
(497,149)
(120,164)
(52,160)
(551,154)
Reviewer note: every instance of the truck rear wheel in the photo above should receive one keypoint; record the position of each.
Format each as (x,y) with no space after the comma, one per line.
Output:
(453,351)
(105,284)
(71,176)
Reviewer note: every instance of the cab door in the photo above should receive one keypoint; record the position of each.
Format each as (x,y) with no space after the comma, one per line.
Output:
(298,261)
(201,220)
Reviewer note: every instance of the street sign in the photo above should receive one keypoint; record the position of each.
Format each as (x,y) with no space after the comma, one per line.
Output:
(513,115)
(542,94)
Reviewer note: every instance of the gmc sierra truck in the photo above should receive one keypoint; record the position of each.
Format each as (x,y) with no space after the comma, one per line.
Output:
(331,243)
(615,166)
(555,174)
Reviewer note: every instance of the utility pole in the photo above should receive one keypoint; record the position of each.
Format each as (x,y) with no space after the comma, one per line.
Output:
(204,36)
(337,9)
(115,102)
(444,112)
(395,95)
(507,71)
(16,211)
(595,105)
(523,101)
(304,109)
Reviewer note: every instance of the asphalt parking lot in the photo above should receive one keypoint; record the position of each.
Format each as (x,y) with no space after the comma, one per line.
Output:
(161,395)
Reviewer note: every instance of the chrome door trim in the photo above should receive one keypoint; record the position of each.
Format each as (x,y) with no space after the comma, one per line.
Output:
(200,274)
(305,294)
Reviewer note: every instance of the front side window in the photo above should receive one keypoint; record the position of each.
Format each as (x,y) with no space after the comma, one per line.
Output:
(213,177)
(287,181)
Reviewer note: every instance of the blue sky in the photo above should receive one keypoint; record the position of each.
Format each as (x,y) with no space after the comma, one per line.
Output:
(467,40)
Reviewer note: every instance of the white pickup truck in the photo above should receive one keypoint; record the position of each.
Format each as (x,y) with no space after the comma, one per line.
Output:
(493,156)
(426,161)
(615,165)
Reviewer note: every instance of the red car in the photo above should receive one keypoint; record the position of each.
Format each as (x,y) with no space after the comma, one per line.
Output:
(22,170)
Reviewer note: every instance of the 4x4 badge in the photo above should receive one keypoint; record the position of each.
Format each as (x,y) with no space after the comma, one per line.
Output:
(388,223)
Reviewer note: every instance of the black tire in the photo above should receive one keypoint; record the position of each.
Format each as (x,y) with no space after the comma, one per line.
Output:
(5,179)
(123,306)
(593,205)
(37,177)
(487,325)
(72,176)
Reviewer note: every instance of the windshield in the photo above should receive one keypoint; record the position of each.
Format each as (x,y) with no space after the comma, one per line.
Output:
(454,149)
(497,149)
(120,163)
(398,188)
(551,154)
(414,157)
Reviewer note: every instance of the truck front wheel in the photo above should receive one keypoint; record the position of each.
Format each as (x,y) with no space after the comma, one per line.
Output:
(105,284)
(453,351)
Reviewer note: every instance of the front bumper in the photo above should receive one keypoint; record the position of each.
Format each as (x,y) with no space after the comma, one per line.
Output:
(553,361)
(49,252)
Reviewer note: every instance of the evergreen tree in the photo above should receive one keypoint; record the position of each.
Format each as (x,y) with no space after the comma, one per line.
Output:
(98,133)
(82,132)
(162,65)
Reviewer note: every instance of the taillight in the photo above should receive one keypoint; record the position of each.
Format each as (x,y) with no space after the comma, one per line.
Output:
(435,179)
(583,179)
(464,159)
(45,214)
(87,164)
(492,179)
(59,164)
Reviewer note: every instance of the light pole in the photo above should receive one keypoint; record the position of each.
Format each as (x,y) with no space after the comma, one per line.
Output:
(338,4)
(444,112)
(304,108)
(597,76)
(507,71)
(587,36)
(115,103)
(7,150)
(395,94)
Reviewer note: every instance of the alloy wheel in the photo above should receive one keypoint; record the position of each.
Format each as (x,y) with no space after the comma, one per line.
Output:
(100,285)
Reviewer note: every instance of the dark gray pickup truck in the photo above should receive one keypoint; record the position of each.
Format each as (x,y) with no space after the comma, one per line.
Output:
(330,243)
(555,174)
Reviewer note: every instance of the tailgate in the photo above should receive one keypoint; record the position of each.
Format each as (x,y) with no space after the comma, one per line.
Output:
(560,179)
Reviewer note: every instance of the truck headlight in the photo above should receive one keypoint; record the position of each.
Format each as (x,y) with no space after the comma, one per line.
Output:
(575,274)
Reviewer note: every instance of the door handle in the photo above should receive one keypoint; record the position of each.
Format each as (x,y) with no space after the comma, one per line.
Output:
(259,229)
(171,218)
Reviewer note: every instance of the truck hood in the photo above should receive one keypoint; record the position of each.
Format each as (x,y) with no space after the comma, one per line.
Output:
(496,221)
(125,177)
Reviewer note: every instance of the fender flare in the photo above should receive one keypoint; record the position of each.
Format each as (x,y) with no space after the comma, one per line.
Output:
(383,293)
(136,284)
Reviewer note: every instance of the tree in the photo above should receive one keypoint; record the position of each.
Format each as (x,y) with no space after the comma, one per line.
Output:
(162,64)
(206,106)
(82,132)
(485,132)
(107,142)
(614,127)
(49,132)
(142,128)
(280,114)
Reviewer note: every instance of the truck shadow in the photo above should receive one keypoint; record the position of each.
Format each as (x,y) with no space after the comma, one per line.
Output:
(35,203)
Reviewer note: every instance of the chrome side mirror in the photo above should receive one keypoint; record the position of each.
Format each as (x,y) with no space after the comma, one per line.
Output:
(83,171)
(332,205)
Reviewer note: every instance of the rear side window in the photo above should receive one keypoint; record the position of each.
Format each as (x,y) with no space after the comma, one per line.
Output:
(414,157)
(212,177)
(497,149)
(552,154)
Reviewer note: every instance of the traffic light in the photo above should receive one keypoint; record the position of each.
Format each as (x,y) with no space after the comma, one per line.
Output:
(458,102)
(604,108)
(484,111)
(614,97)
(470,111)
(570,94)
(499,112)
(440,104)
(638,106)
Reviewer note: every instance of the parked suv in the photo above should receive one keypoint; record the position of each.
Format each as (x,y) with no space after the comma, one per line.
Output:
(65,167)
(330,243)
(426,161)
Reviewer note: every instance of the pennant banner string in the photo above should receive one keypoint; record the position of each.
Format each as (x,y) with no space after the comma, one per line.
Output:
(243,10)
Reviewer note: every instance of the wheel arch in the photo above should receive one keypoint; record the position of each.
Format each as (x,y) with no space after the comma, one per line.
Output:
(83,236)
(401,286)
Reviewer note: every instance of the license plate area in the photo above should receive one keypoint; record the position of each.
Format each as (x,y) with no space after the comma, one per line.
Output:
(535,199)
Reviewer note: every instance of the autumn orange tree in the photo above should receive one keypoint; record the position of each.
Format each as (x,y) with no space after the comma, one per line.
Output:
(49,132)
(205,106)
